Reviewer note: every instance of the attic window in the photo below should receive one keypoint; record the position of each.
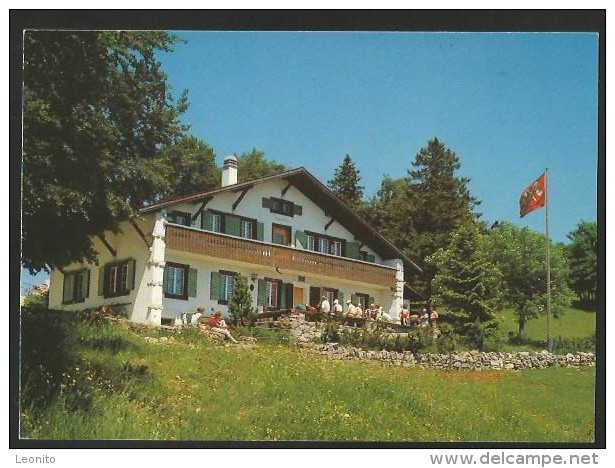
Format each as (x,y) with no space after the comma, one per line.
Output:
(179,217)
(283,207)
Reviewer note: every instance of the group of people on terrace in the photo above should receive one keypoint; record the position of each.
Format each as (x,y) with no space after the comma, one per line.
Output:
(375,312)
(422,319)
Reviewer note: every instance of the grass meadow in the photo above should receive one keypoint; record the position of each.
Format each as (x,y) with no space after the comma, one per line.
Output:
(94,379)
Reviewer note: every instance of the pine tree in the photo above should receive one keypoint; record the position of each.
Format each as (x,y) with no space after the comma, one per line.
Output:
(467,283)
(345,183)
(240,304)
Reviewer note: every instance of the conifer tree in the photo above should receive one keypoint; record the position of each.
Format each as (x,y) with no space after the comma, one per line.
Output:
(346,183)
(467,283)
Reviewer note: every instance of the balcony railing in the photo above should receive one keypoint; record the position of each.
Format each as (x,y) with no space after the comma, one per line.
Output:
(272,255)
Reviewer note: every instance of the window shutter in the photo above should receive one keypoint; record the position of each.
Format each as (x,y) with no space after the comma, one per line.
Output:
(262,290)
(131,274)
(86,288)
(371,258)
(102,280)
(301,239)
(192,276)
(68,288)
(371,300)
(340,298)
(260,231)
(298,210)
(214,287)
(314,296)
(165,279)
(288,290)
(207,220)
(353,299)
(352,250)
(266,202)
(233,225)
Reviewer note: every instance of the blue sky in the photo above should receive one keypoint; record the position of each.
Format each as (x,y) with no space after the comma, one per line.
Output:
(508,104)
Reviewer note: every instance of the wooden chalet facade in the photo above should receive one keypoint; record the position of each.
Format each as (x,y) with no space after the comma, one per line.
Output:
(288,234)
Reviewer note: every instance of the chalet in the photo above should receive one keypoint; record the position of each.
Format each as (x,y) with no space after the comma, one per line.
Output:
(288,234)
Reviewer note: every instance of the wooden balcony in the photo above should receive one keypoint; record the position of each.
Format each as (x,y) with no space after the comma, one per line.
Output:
(261,253)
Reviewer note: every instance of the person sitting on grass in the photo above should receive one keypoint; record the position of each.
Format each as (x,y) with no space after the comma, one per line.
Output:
(217,325)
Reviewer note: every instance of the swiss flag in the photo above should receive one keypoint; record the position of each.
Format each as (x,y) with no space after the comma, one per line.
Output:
(534,196)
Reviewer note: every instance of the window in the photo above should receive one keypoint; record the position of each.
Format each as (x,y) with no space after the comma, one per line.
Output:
(336,248)
(179,217)
(280,234)
(76,286)
(216,222)
(222,285)
(226,287)
(117,278)
(284,207)
(325,244)
(175,283)
(247,229)
(271,293)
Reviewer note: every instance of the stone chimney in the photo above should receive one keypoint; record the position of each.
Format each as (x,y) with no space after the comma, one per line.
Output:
(229,171)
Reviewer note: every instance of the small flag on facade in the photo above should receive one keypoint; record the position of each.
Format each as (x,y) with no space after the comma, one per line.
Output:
(534,196)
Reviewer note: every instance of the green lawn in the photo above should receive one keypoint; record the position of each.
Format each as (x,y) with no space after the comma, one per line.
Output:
(195,390)
(574,323)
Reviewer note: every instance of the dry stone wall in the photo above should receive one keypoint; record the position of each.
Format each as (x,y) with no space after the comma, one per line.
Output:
(305,333)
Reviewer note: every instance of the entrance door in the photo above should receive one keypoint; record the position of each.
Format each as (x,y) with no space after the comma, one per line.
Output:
(298,296)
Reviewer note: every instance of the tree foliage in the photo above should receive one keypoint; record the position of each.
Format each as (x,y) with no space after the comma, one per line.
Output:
(346,183)
(254,165)
(193,166)
(520,254)
(438,198)
(583,255)
(419,212)
(467,283)
(97,111)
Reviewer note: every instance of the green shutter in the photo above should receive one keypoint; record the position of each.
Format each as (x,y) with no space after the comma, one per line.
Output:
(214,287)
(371,258)
(340,297)
(101,280)
(262,290)
(301,239)
(371,300)
(165,279)
(233,225)
(131,274)
(352,250)
(283,298)
(207,220)
(353,299)
(192,276)
(69,288)
(260,231)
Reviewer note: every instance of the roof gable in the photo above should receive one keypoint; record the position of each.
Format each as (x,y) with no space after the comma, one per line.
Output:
(318,193)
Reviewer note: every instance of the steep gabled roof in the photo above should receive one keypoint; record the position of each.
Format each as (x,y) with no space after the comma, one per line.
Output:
(320,194)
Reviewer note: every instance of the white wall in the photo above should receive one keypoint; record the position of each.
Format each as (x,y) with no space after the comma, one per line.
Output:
(128,244)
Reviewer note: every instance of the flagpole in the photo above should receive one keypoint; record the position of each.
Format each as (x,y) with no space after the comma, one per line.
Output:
(549,339)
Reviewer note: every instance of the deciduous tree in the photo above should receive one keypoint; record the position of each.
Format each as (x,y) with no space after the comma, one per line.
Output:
(97,112)
(583,255)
